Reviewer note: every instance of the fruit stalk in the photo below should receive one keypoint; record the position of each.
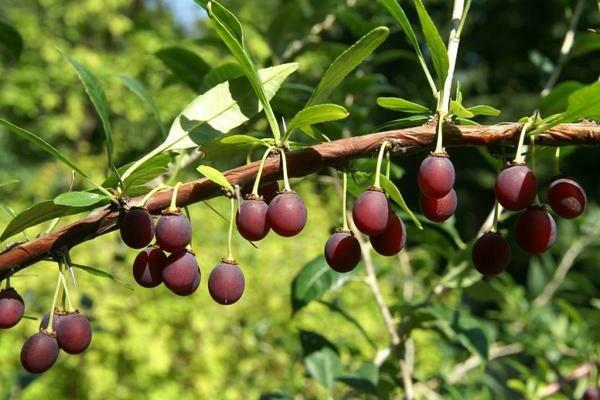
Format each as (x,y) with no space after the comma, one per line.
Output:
(260,170)
(54,299)
(173,205)
(344,201)
(286,181)
(230,234)
(377,182)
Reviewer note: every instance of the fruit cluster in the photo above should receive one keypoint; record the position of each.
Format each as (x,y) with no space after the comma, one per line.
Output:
(591,394)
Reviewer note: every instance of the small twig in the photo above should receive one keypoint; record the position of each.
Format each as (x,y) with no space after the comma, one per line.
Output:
(496,351)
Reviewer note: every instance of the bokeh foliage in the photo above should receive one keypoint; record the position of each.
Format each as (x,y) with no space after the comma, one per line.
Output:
(149,344)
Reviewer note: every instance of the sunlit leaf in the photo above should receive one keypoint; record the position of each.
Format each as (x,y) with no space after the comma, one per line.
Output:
(216,176)
(392,190)
(398,104)
(434,41)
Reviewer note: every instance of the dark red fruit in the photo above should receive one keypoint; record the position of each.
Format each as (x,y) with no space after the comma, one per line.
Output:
(371,212)
(287,214)
(74,333)
(535,230)
(11,308)
(148,267)
(137,228)
(393,239)
(181,273)
(436,175)
(439,210)
(491,254)
(566,197)
(226,283)
(39,352)
(342,251)
(591,394)
(173,232)
(516,187)
(55,321)
(251,219)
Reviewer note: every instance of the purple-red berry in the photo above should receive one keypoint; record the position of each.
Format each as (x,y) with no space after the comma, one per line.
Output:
(535,230)
(439,210)
(12,308)
(58,315)
(371,212)
(393,239)
(591,394)
(516,187)
(137,228)
(342,251)
(39,352)
(181,273)
(226,283)
(436,175)
(287,214)
(251,218)
(173,232)
(148,267)
(491,254)
(566,197)
(74,333)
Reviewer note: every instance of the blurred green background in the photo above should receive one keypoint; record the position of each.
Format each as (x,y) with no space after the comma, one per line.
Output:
(150,344)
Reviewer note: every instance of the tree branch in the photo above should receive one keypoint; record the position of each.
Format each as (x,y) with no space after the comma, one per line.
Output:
(300,163)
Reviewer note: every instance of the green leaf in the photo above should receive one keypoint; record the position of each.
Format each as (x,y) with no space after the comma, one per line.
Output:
(11,40)
(223,108)
(216,176)
(185,64)
(392,190)
(9,183)
(556,101)
(220,74)
(436,46)
(48,148)
(583,103)
(100,273)
(41,212)
(149,170)
(413,120)
(93,88)
(398,104)
(312,341)
(81,199)
(228,146)
(484,110)
(399,15)
(586,42)
(459,110)
(346,63)
(315,115)
(324,366)
(314,280)
(364,379)
(230,30)
(140,91)
(243,139)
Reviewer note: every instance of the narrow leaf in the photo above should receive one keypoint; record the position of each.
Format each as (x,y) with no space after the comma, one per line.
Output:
(315,115)
(346,63)
(392,190)
(100,273)
(459,110)
(324,366)
(81,199)
(398,104)
(93,88)
(186,65)
(140,91)
(220,74)
(556,101)
(216,176)
(434,41)
(484,110)
(583,103)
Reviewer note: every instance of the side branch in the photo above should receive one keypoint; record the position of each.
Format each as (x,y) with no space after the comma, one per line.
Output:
(300,163)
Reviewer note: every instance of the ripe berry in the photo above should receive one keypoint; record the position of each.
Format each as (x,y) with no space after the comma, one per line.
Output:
(58,315)
(148,267)
(371,212)
(181,273)
(287,214)
(11,308)
(74,333)
(535,230)
(173,232)
(491,254)
(393,239)
(566,197)
(226,283)
(436,175)
(39,352)
(439,210)
(137,228)
(251,219)
(342,251)
(516,187)
(591,394)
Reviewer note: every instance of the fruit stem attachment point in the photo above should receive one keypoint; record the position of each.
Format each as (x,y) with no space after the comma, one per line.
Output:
(230,234)
(151,193)
(260,170)
(384,145)
(344,201)
(54,299)
(173,206)
(286,181)
(519,156)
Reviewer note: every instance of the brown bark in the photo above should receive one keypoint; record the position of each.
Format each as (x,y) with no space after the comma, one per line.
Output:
(300,163)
